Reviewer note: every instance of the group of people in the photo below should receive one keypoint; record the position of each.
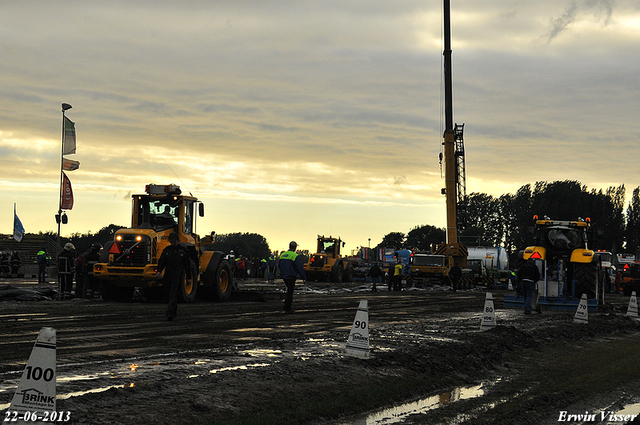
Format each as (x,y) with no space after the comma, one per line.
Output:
(256,267)
(78,267)
(10,265)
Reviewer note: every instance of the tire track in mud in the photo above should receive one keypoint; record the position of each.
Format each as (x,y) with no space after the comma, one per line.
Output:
(94,330)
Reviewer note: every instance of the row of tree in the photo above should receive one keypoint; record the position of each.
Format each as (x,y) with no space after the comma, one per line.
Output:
(486,220)
(251,245)
(503,221)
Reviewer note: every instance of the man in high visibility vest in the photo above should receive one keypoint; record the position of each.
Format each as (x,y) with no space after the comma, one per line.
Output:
(290,267)
(42,266)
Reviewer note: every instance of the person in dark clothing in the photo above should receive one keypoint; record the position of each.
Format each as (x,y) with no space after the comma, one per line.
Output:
(529,275)
(93,257)
(66,269)
(176,264)
(272,263)
(375,272)
(5,269)
(455,273)
(81,273)
(15,263)
(290,267)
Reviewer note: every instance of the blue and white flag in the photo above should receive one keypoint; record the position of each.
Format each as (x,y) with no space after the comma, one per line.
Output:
(18,229)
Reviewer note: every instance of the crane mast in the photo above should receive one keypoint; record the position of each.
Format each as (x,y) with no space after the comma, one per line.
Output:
(453,150)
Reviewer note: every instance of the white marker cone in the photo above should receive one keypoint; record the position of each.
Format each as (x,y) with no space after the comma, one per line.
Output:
(37,388)
(510,286)
(632,311)
(358,343)
(489,314)
(582,313)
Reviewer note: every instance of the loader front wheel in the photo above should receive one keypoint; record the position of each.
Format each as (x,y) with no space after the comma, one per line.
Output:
(189,287)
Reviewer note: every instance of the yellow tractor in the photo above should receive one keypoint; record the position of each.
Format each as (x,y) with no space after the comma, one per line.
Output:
(327,264)
(131,259)
(563,252)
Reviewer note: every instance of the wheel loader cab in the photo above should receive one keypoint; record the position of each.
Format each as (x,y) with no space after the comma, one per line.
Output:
(165,213)
(327,247)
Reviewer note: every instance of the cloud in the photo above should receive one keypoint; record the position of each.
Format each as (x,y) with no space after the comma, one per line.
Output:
(576,10)
(331,103)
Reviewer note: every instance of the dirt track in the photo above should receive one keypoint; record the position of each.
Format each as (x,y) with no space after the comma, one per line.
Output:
(232,360)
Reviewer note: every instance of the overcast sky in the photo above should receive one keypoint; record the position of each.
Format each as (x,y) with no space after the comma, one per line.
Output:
(297,118)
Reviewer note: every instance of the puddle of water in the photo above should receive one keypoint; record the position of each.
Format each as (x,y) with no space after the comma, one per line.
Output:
(252,330)
(262,353)
(93,390)
(78,379)
(241,367)
(399,413)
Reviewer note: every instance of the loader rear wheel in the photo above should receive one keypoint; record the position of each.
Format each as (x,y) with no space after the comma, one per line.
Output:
(586,277)
(338,274)
(223,284)
(189,287)
(347,276)
(218,286)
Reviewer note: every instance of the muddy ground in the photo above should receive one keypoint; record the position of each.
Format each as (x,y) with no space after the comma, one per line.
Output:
(246,361)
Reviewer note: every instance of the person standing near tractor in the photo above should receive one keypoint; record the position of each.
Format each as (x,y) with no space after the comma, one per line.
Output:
(176,264)
(529,275)
(290,267)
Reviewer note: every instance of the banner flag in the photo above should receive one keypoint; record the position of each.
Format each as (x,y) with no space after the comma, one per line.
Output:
(66,203)
(18,229)
(70,164)
(69,138)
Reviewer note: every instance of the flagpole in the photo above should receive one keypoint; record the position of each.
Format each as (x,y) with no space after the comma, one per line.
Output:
(65,107)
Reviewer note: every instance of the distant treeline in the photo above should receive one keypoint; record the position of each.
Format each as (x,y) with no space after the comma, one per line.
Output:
(503,221)
(485,220)
(249,245)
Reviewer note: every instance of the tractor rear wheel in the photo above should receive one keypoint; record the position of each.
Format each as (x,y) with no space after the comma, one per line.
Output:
(586,277)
